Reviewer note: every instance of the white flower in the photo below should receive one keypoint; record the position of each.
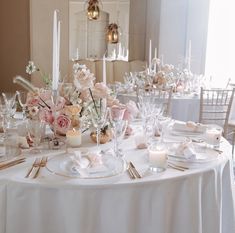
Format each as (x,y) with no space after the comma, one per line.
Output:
(77,67)
(31,68)
(83,79)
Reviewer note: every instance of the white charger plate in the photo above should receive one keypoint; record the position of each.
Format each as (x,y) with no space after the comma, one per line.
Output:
(203,157)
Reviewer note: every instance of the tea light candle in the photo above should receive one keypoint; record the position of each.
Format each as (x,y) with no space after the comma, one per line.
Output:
(140,141)
(74,138)
(158,158)
(213,136)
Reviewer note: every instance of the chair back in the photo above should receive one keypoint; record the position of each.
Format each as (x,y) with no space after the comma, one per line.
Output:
(215,106)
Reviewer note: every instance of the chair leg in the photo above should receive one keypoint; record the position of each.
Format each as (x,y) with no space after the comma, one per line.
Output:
(233,145)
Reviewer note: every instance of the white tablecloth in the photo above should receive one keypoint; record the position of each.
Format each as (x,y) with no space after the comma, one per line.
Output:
(195,201)
(183,108)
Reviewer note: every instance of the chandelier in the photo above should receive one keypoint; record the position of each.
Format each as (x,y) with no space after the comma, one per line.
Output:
(93,9)
(112,33)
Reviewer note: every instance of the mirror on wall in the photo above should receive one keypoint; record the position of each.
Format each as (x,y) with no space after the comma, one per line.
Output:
(88,38)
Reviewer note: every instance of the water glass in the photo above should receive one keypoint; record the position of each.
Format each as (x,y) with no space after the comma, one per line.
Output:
(36,131)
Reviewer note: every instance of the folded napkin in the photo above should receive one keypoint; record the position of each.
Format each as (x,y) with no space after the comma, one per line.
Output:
(186,150)
(189,126)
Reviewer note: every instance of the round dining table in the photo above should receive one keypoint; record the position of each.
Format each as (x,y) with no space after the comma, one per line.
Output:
(184,107)
(197,200)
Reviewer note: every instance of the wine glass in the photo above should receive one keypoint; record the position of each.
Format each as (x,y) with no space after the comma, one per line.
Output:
(22,98)
(119,126)
(36,131)
(99,117)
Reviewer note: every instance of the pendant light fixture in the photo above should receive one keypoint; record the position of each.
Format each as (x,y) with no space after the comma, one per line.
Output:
(112,30)
(112,33)
(93,9)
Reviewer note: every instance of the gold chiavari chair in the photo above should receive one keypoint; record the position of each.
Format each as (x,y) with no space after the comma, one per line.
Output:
(215,106)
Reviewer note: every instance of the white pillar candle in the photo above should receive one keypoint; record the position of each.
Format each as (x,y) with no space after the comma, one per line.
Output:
(213,136)
(158,157)
(150,54)
(104,69)
(74,138)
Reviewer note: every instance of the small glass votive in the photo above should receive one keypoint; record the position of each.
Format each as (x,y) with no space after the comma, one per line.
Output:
(157,157)
(213,137)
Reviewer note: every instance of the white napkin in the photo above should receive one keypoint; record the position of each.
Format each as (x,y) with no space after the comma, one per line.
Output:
(186,150)
(189,126)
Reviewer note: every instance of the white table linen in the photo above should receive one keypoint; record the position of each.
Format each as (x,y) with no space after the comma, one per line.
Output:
(195,201)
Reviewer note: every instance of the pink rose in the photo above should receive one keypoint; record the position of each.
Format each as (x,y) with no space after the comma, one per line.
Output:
(46,115)
(32,100)
(127,115)
(132,108)
(111,101)
(45,94)
(117,112)
(100,90)
(62,124)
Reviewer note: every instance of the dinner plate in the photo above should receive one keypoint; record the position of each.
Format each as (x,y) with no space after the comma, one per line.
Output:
(187,133)
(203,156)
(65,165)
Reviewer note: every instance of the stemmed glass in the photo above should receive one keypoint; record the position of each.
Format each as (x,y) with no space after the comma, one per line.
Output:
(119,126)
(22,98)
(99,117)
(8,108)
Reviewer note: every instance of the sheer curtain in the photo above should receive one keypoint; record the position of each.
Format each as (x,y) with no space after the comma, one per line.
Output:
(220,58)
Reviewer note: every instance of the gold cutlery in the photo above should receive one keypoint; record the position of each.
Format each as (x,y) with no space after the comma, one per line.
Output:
(177,166)
(130,172)
(35,164)
(136,173)
(5,165)
(43,163)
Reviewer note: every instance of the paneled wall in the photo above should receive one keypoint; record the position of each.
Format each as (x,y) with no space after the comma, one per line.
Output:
(14,41)
(172,23)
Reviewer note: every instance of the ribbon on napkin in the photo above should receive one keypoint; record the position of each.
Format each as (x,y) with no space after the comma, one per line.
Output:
(186,150)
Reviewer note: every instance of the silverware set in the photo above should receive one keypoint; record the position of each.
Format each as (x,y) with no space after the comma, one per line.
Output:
(133,173)
(36,166)
(11,163)
(177,167)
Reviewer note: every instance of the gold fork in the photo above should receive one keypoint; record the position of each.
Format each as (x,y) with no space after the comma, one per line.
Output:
(35,164)
(42,163)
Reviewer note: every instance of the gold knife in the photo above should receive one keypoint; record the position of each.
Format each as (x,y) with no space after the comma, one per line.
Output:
(12,163)
(136,173)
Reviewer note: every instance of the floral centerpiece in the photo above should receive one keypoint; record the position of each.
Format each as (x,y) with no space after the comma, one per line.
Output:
(72,108)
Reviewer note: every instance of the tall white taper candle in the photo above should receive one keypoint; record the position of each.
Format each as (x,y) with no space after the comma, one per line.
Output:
(150,54)
(55,51)
(104,69)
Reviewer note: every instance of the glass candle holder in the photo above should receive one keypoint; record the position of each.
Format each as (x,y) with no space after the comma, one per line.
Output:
(213,137)
(157,157)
